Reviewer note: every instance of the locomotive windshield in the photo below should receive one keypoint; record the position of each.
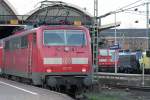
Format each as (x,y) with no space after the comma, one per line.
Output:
(54,37)
(103,53)
(64,37)
(75,37)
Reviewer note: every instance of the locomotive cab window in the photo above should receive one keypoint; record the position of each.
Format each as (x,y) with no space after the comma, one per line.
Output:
(75,37)
(54,37)
(64,37)
(103,52)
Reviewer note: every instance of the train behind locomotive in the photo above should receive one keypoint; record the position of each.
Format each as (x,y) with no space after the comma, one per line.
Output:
(51,55)
(129,62)
(106,59)
(126,62)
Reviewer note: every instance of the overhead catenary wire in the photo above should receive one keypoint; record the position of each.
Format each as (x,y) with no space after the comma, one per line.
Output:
(129,5)
(134,13)
(143,13)
(125,8)
(122,10)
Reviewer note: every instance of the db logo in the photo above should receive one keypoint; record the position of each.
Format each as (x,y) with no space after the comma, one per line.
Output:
(67,60)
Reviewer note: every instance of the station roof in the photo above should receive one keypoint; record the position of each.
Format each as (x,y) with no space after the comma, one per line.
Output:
(58,11)
(72,6)
(6,8)
(7,14)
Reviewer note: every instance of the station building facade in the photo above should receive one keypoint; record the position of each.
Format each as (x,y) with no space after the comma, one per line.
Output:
(132,39)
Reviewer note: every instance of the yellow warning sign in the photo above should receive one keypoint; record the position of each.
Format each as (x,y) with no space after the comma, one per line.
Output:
(14,21)
(77,23)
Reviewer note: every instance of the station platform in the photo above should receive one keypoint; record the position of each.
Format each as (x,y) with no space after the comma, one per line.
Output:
(10,90)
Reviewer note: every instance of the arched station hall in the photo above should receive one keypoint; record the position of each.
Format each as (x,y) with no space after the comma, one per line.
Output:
(48,12)
(7,15)
(56,12)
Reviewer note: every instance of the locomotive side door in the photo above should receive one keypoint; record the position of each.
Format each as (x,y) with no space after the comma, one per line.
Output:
(30,47)
(32,56)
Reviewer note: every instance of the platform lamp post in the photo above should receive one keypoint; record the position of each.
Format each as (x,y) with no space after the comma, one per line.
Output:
(115,43)
(148,41)
(147,23)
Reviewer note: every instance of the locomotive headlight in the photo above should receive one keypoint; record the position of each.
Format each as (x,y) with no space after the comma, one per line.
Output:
(49,70)
(83,70)
(66,49)
(79,60)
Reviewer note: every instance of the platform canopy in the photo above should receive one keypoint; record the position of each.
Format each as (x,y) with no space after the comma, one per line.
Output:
(7,15)
(57,12)
(7,12)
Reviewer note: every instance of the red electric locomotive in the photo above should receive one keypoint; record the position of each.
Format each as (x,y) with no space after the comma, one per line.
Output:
(52,55)
(106,59)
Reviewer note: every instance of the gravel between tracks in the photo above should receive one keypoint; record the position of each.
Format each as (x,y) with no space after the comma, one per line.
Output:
(117,94)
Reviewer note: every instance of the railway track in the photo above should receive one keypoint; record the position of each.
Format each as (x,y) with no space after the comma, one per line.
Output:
(141,88)
(99,74)
(120,80)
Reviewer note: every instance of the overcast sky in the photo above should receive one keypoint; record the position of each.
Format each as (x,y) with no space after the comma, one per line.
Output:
(24,6)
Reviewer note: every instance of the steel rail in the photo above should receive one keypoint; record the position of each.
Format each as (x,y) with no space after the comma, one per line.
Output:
(119,74)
